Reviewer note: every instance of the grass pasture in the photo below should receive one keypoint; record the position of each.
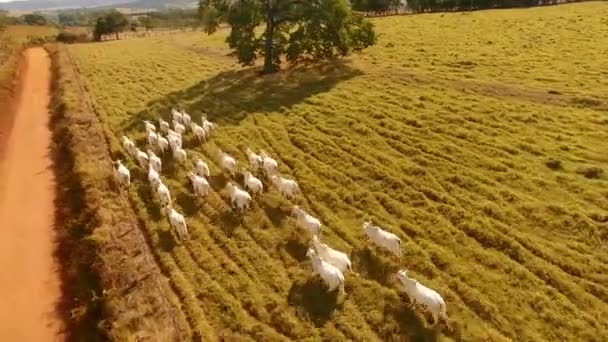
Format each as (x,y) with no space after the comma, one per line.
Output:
(479,138)
(11,42)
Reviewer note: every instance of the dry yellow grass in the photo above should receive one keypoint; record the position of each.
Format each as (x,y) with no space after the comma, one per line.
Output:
(479,138)
(11,42)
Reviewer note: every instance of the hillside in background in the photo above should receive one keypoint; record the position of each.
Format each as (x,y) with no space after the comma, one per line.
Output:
(38,5)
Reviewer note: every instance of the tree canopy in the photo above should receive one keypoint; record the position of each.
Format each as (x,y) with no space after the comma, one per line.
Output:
(113,22)
(34,19)
(291,30)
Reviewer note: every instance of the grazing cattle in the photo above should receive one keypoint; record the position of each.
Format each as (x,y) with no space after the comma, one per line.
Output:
(186,119)
(269,164)
(252,184)
(331,275)
(162,143)
(149,126)
(202,169)
(287,187)
(164,125)
(163,193)
(198,132)
(122,174)
(255,160)
(178,127)
(154,161)
(227,163)
(208,126)
(175,140)
(180,155)
(129,145)
(199,184)
(178,223)
(306,221)
(420,294)
(382,238)
(152,138)
(142,158)
(176,115)
(239,198)
(332,256)
(153,176)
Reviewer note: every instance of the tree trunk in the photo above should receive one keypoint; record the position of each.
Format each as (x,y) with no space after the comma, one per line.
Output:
(117,38)
(269,66)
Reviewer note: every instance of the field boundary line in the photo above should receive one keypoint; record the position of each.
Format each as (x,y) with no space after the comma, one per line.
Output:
(145,248)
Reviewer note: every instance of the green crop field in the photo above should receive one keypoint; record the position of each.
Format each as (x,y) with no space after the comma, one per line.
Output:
(480,138)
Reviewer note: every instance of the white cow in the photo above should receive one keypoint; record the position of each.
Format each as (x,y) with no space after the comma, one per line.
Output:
(227,163)
(255,160)
(306,221)
(153,176)
(199,184)
(180,155)
(129,145)
(178,223)
(175,140)
(332,256)
(164,125)
(152,138)
(176,115)
(269,164)
(186,119)
(149,126)
(198,131)
(382,238)
(202,169)
(331,275)
(163,193)
(142,158)
(154,161)
(178,127)
(208,126)
(239,198)
(253,184)
(287,187)
(162,143)
(420,294)
(122,174)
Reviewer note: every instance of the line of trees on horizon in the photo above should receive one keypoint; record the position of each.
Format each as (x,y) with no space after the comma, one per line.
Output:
(422,6)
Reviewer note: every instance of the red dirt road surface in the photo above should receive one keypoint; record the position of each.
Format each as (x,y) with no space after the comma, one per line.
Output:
(29,279)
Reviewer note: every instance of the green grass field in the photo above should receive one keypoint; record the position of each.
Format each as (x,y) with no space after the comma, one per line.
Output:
(479,138)
(11,41)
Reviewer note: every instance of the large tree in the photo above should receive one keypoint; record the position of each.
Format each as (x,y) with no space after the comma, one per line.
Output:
(294,30)
(113,22)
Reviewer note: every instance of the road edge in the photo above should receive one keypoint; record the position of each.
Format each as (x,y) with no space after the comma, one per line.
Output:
(119,290)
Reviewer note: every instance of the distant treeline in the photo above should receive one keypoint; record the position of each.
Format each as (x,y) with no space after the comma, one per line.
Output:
(171,18)
(421,6)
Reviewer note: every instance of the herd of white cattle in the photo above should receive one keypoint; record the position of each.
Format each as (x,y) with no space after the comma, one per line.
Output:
(329,263)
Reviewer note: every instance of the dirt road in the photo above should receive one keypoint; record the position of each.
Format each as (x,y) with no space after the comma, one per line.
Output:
(29,277)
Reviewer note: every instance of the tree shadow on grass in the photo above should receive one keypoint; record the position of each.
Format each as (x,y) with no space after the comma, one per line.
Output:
(372,266)
(218,182)
(166,241)
(276,214)
(296,249)
(188,202)
(144,191)
(411,324)
(229,221)
(312,297)
(228,97)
